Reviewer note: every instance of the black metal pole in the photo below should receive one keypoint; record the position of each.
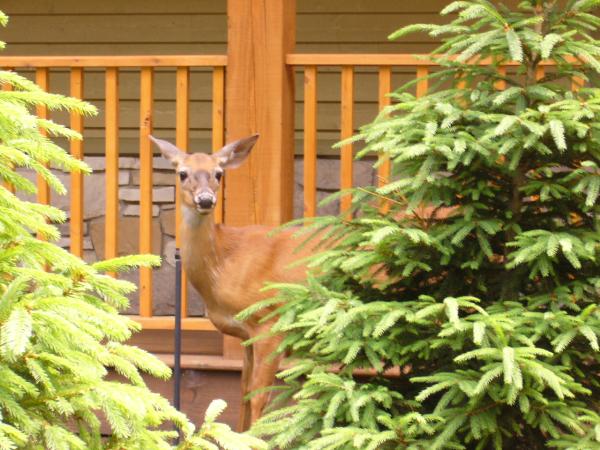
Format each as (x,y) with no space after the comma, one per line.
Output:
(177,352)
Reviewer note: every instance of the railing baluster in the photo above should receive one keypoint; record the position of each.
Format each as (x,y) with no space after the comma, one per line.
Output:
(347,129)
(501,84)
(76,222)
(218,131)
(384,169)
(577,83)
(423,83)
(310,141)
(42,79)
(146,153)
(540,72)
(182,107)
(111,227)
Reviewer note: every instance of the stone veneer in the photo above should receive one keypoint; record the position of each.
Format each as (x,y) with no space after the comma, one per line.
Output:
(163,222)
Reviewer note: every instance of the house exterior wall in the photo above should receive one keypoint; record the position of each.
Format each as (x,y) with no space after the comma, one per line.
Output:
(111,27)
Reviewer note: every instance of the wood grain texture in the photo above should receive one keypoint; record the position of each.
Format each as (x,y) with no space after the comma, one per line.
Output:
(199,388)
(146,151)
(232,348)
(76,190)
(308,7)
(310,141)
(130,7)
(111,118)
(347,130)
(207,342)
(182,141)
(260,100)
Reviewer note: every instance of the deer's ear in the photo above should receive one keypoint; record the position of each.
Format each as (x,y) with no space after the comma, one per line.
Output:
(235,153)
(168,150)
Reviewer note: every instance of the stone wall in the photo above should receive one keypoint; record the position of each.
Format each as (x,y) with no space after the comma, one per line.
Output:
(163,221)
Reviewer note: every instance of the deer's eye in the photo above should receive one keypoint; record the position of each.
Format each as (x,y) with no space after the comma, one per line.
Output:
(218,175)
(183,176)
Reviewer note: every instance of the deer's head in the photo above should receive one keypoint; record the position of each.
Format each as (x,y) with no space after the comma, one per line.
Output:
(200,173)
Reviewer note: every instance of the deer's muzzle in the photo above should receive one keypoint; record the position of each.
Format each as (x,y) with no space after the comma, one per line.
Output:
(205,200)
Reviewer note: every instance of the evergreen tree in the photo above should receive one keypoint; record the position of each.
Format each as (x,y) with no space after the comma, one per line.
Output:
(482,280)
(60,330)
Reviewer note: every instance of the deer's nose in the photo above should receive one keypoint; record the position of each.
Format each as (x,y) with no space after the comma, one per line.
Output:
(205,200)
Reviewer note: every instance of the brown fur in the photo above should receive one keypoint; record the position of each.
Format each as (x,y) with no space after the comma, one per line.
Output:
(229,265)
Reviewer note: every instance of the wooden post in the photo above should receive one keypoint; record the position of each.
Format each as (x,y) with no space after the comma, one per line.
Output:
(260,99)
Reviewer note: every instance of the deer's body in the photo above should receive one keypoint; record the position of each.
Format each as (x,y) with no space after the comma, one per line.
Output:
(229,265)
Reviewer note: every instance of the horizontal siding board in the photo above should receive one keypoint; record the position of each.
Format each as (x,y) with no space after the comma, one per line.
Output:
(201,85)
(158,28)
(130,146)
(199,142)
(164,114)
(352,28)
(200,117)
(60,7)
(75,27)
(368,6)
(202,28)
(85,48)
(129,80)
(93,49)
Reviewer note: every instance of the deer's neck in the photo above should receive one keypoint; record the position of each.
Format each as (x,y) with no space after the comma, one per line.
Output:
(201,252)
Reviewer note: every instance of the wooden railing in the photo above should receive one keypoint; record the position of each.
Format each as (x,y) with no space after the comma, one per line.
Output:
(384,64)
(146,65)
(347,63)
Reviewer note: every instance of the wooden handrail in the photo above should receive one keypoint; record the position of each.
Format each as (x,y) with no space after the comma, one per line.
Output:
(376,59)
(294,59)
(114,61)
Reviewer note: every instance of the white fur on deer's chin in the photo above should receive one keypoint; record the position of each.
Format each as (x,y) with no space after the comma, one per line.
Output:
(194,216)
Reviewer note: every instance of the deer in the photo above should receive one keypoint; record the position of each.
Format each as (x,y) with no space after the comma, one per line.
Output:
(228,265)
